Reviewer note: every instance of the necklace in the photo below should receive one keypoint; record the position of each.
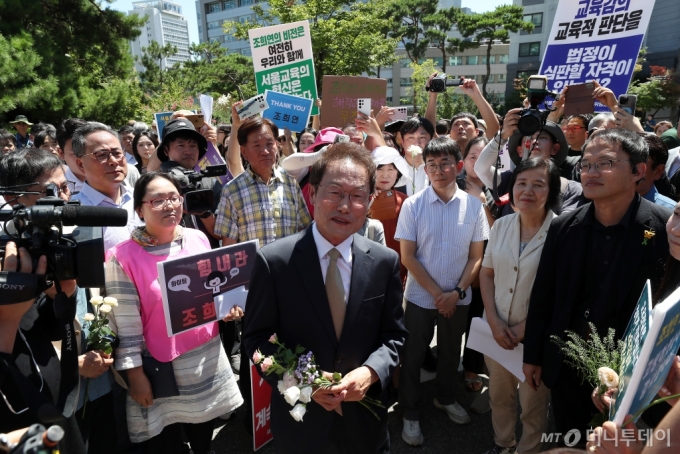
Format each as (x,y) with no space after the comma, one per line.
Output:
(526,237)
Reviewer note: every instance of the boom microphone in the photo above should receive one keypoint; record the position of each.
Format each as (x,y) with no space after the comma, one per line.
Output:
(86,216)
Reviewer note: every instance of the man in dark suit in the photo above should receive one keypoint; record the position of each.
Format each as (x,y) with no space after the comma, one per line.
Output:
(594,265)
(338,295)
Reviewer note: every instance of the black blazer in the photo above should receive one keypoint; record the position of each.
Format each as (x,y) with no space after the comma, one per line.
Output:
(555,293)
(288,297)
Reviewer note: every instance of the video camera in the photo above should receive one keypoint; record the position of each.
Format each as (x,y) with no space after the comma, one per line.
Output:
(533,119)
(197,200)
(439,83)
(78,255)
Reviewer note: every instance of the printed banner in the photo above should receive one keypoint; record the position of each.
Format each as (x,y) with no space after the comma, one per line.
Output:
(261,394)
(190,284)
(212,158)
(288,111)
(283,61)
(595,40)
(340,94)
(161,119)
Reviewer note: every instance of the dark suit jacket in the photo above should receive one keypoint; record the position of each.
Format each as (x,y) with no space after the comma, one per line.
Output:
(287,296)
(555,294)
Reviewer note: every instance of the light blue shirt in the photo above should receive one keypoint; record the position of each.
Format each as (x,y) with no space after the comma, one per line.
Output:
(89,196)
(655,197)
(442,233)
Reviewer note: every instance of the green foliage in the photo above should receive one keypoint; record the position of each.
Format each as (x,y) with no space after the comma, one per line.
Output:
(650,95)
(152,60)
(493,25)
(173,96)
(412,18)
(347,38)
(447,104)
(588,355)
(117,101)
(69,47)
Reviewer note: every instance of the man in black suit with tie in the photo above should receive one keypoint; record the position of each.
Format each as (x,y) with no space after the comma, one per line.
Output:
(338,295)
(593,268)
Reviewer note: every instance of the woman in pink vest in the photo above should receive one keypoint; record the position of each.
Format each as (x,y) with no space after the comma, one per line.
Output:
(184,379)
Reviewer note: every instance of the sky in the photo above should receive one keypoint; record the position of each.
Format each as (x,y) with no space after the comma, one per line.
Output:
(189,10)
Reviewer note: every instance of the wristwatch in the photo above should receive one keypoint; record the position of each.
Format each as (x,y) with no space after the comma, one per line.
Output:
(461,292)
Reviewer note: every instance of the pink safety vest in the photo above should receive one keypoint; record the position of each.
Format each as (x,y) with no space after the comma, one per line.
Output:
(140,266)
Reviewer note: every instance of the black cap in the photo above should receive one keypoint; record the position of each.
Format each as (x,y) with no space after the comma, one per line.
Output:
(393,127)
(178,125)
(554,130)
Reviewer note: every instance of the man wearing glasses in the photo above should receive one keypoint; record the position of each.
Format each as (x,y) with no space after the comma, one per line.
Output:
(441,231)
(594,264)
(338,295)
(101,158)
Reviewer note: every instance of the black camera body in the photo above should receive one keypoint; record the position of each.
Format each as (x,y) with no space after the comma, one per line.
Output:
(77,255)
(532,119)
(439,83)
(197,200)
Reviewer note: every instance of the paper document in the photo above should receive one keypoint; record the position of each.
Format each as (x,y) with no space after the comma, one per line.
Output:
(227,300)
(481,339)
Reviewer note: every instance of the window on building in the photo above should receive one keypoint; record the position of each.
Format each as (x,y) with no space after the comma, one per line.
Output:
(536,19)
(503,59)
(438,61)
(217,39)
(389,82)
(500,78)
(491,78)
(229,4)
(529,49)
(214,7)
(214,24)
(455,61)
(406,82)
(404,62)
(492,60)
(473,60)
(388,99)
(245,2)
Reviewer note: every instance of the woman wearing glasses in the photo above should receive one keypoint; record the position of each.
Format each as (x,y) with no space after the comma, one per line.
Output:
(205,386)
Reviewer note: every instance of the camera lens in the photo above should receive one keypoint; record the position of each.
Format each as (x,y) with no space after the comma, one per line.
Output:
(529,122)
(624,99)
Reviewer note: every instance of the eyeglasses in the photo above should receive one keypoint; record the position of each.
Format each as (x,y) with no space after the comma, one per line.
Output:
(335,194)
(603,165)
(68,188)
(432,168)
(103,156)
(572,128)
(158,204)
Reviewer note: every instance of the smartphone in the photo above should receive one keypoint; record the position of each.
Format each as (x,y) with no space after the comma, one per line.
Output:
(252,107)
(341,138)
(628,102)
(364,106)
(197,120)
(400,113)
(579,99)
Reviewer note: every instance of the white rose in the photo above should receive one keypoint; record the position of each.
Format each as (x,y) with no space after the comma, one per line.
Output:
(306,394)
(282,386)
(111,301)
(96,300)
(292,395)
(608,377)
(415,150)
(105,308)
(289,380)
(88,317)
(298,412)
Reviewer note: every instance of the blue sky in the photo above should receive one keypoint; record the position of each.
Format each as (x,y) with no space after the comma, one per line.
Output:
(189,10)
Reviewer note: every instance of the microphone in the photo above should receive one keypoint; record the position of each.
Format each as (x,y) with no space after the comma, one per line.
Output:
(86,216)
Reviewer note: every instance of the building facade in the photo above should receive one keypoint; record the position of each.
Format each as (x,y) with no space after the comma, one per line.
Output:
(166,25)
(212,14)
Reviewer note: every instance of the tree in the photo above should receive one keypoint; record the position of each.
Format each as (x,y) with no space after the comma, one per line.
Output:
(493,26)
(439,25)
(412,19)
(346,36)
(660,91)
(68,67)
(152,60)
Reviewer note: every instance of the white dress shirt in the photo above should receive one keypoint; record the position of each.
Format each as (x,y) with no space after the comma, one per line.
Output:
(89,196)
(344,261)
(70,176)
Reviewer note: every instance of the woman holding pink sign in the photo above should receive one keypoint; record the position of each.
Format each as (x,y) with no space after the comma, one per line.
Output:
(183,379)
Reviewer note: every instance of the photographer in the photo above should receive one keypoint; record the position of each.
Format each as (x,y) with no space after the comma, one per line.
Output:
(42,169)
(182,146)
(32,379)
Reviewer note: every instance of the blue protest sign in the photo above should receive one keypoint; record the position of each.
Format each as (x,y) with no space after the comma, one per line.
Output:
(288,111)
(595,40)
(161,119)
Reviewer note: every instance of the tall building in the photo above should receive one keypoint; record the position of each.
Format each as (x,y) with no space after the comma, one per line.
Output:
(211,14)
(662,38)
(165,24)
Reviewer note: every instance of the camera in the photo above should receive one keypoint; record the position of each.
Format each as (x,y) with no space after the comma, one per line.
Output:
(533,119)
(439,83)
(197,200)
(77,255)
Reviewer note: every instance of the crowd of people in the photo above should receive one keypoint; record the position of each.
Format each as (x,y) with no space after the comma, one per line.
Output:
(371,235)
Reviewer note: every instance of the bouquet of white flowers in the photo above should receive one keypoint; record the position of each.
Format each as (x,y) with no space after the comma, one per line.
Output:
(299,376)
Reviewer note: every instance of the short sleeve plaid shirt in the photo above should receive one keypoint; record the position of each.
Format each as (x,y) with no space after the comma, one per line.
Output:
(251,209)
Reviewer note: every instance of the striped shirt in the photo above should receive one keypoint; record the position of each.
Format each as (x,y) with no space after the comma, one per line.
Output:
(251,209)
(442,233)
